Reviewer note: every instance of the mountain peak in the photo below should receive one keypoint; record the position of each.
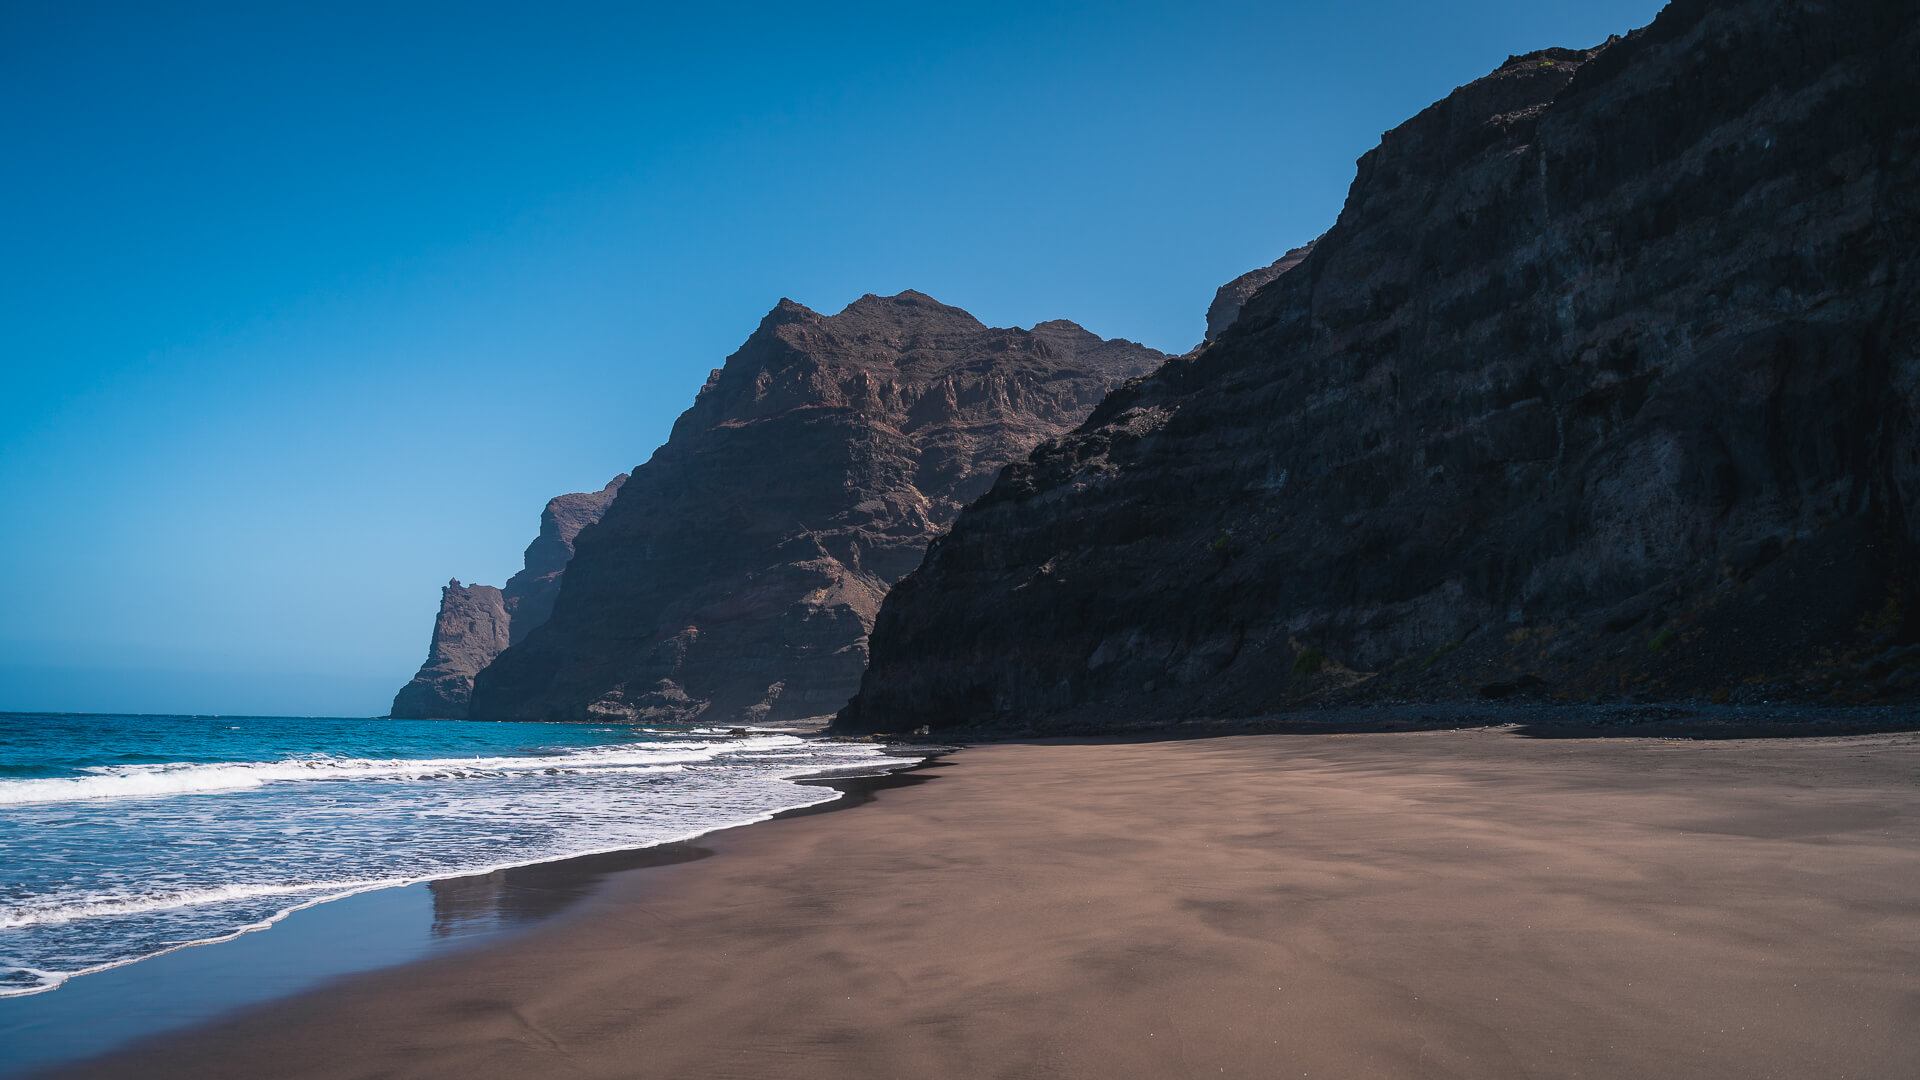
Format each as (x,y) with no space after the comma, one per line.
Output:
(909,307)
(736,575)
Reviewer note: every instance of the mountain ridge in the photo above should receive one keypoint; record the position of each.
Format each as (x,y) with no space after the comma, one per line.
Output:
(735,575)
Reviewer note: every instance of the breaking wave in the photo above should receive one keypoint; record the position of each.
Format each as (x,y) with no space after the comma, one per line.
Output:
(185,778)
(116,862)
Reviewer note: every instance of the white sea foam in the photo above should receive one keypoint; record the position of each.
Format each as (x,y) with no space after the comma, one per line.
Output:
(315,894)
(186,778)
(50,911)
(134,879)
(53,980)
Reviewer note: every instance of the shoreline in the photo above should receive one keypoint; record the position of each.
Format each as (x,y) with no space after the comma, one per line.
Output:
(409,921)
(1060,905)
(1531,717)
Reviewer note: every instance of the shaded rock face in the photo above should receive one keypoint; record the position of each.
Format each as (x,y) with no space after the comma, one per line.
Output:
(738,573)
(529,594)
(1604,383)
(478,622)
(1234,295)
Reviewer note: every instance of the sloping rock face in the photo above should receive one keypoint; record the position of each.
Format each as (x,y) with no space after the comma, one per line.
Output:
(1604,383)
(738,573)
(1234,295)
(478,622)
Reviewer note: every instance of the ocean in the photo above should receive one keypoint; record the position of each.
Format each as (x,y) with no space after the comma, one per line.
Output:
(127,837)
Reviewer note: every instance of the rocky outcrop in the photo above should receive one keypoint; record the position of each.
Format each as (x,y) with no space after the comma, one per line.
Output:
(738,572)
(1234,295)
(472,629)
(478,622)
(1603,384)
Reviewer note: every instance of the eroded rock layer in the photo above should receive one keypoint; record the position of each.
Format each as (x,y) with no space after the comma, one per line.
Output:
(477,622)
(737,574)
(1604,383)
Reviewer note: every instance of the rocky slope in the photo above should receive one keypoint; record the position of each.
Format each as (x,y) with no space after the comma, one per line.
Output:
(1234,295)
(477,622)
(738,572)
(1603,384)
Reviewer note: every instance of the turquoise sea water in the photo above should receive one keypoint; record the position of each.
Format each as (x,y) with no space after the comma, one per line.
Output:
(124,837)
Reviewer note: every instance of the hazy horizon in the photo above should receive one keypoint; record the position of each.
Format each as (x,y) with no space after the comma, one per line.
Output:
(309,313)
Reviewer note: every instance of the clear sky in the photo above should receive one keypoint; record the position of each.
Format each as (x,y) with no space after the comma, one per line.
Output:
(303,312)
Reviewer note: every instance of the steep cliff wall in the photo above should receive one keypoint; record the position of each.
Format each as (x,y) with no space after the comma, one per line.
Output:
(477,622)
(738,572)
(1604,383)
(471,629)
(529,594)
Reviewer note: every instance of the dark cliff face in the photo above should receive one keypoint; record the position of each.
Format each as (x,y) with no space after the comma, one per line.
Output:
(1604,383)
(739,571)
(1234,295)
(477,622)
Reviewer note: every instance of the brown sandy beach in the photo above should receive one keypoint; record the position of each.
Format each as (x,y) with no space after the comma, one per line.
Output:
(1434,904)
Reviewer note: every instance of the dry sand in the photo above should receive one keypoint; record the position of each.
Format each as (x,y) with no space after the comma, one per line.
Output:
(1438,904)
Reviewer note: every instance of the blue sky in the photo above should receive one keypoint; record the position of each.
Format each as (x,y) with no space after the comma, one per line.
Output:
(306,311)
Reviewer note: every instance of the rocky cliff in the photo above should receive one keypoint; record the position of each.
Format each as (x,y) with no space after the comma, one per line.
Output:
(738,572)
(477,622)
(1603,384)
(471,629)
(1234,295)
(529,594)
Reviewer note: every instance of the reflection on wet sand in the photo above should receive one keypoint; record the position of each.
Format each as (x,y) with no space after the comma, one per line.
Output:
(487,902)
(483,903)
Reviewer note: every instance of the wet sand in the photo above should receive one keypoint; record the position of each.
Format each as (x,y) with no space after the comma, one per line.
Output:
(1427,904)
